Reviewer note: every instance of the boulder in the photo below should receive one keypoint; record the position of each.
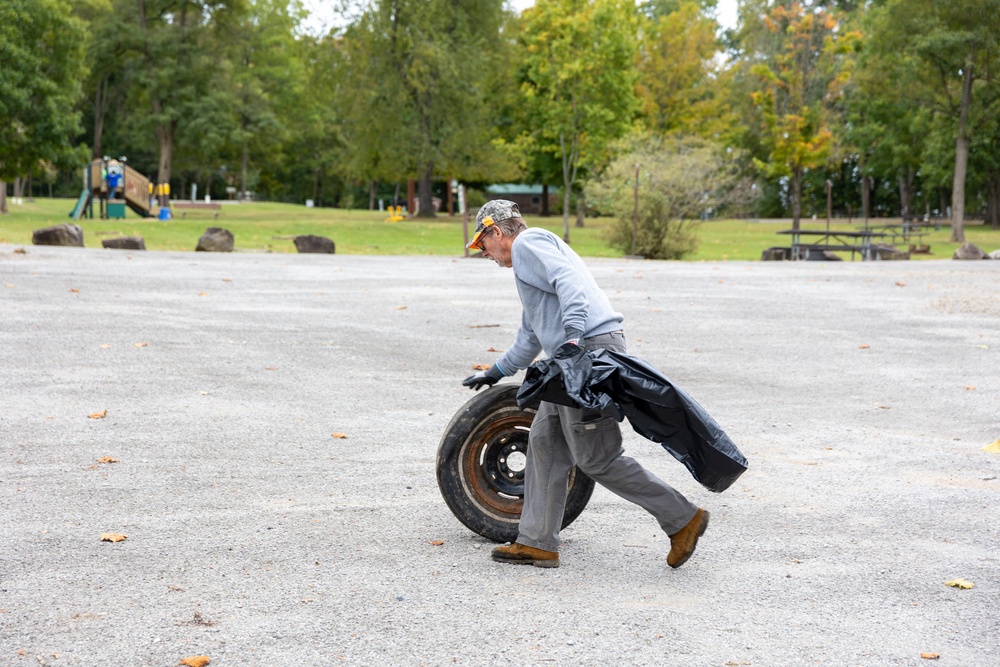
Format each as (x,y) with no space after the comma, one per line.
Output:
(889,252)
(216,239)
(125,243)
(64,234)
(315,244)
(969,251)
(994,255)
(775,254)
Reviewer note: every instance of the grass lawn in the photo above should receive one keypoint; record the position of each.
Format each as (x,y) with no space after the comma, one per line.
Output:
(267,227)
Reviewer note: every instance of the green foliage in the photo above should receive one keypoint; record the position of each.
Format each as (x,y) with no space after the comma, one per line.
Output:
(42,47)
(578,77)
(679,180)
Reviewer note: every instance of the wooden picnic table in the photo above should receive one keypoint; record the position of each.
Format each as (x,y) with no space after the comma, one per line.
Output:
(833,240)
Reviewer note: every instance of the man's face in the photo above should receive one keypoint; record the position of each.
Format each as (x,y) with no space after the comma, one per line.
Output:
(496,246)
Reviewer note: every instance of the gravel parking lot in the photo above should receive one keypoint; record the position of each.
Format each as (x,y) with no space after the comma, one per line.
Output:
(863,395)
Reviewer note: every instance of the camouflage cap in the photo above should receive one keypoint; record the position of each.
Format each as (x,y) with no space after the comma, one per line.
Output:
(493,211)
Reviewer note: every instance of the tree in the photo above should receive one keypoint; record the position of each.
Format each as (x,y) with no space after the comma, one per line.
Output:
(954,46)
(417,96)
(798,86)
(42,47)
(678,78)
(578,77)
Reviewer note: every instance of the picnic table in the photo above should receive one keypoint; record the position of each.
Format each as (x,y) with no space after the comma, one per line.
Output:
(819,240)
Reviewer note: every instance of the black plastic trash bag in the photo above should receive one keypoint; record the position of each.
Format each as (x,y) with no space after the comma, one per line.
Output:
(622,386)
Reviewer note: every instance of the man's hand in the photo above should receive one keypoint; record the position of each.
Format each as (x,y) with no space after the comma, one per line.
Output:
(486,378)
(567,349)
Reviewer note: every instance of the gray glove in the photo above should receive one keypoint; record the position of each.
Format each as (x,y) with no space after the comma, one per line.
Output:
(486,378)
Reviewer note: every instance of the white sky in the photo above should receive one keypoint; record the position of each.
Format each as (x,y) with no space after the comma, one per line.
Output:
(323,16)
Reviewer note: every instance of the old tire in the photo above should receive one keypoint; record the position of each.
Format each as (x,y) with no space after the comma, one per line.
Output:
(480,465)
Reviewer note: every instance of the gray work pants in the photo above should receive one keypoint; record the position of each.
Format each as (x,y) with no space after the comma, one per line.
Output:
(562,437)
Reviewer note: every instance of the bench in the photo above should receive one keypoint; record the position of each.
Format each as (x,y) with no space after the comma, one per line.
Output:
(185,206)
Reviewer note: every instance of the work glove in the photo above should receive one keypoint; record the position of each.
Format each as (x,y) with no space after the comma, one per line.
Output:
(486,378)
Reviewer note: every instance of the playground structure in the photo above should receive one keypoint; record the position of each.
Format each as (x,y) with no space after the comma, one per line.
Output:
(132,190)
(396,213)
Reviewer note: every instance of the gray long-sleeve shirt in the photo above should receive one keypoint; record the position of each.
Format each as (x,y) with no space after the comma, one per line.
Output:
(557,293)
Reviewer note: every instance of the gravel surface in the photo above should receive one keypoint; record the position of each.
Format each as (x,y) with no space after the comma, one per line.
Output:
(863,395)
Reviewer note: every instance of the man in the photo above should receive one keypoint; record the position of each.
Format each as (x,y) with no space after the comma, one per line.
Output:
(563,306)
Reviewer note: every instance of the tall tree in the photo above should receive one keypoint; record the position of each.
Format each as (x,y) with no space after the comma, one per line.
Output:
(798,86)
(42,47)
(418,94)
(578,79)
(954,45)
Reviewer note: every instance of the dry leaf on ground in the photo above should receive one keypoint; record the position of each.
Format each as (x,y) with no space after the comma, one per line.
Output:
(202,293)
(900,284)
(483,326)
(401,307)
(113,537)
(864,347)
(493,349)
(140,344)
(993,448)
(960,583)
(270,368)
(970,387)
(74,290)
(105,346)
(196,661)
(930,656)
(108,459)
(341,436)
(437,543)
(480,367)
(98,415)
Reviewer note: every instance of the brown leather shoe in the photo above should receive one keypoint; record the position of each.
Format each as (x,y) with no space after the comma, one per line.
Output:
(683,542)
(519,554)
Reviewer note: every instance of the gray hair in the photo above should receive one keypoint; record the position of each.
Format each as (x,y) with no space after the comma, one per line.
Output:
(511,226)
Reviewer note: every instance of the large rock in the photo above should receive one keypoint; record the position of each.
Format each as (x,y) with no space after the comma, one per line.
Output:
(969,251)
(64,234)
(889,252)
(994,255)
(775,254)
(216,239)
(316,244)
(125,243)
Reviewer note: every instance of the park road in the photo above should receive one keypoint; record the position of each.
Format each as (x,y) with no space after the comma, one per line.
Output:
(862,393)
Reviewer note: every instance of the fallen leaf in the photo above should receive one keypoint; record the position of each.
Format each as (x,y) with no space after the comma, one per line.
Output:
(74,290)
(98,415)
(930,656)
(108,459)
(493,349)
(993,448)
(960,583)
(885,407)
(339,436)
(480,367)
(864,347)
(271,368)
(437,543)
(899,284)
(140,344)
(202,293)
(969,387)
(10,285)
(105,346)
(227,280)
(196,661)
(20,251)
(983,347)
(482,326)
(401,307)
(113,537)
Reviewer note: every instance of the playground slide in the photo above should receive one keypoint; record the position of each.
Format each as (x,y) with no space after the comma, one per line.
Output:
(137,192)
(81,204)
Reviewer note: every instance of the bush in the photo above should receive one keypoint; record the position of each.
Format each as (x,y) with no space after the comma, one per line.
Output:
(680,180)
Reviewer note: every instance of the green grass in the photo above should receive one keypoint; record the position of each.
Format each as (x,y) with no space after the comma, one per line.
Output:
(268,227)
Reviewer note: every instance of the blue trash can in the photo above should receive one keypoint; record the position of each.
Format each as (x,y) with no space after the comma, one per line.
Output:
(165,213)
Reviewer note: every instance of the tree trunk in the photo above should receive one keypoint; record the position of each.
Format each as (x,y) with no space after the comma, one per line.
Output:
(545,200)
(866,192)
(18,188)
(906,190)
(3,197)
(993,200)
(316,186)
(581,209)
(566,212)
(165,137)
(426,192)
(244,161)
(961,158)
(796,196)
(100,113)
(371,195)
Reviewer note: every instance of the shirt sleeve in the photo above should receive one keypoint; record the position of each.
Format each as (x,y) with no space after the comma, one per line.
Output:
(547,268)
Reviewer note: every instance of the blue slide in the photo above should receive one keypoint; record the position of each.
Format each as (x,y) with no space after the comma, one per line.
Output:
(81,204)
